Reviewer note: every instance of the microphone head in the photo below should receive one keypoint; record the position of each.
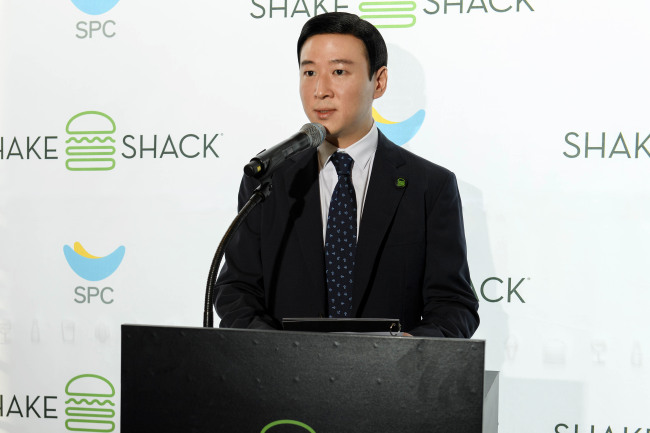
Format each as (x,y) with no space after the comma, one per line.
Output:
(316,133)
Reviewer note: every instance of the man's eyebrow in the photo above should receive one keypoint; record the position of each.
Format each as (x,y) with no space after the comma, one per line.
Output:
(333,61)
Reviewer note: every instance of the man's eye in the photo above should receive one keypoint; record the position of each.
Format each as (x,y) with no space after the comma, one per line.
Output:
(309,73)
(339,72)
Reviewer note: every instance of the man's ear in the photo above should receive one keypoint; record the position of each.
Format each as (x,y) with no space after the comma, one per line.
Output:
(380,79)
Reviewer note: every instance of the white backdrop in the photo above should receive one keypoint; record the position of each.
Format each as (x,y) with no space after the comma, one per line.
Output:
(517,103)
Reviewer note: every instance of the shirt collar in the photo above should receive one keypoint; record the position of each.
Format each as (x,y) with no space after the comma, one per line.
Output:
(361,151)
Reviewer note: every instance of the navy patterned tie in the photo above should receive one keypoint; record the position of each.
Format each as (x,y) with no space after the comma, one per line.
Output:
(341,239)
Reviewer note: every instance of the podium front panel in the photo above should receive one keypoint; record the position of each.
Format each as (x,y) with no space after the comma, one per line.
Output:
(230,380)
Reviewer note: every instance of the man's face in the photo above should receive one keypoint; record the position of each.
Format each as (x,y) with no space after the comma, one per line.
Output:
(335,89)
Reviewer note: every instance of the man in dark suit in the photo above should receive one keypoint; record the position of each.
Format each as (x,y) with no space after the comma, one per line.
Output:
(403,250)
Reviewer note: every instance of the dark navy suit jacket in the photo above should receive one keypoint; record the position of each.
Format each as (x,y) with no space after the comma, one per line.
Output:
(411,259)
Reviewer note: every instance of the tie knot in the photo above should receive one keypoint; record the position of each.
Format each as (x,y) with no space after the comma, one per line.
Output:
(342,163)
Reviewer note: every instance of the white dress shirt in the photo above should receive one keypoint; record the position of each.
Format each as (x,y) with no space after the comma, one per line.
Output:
(363,154)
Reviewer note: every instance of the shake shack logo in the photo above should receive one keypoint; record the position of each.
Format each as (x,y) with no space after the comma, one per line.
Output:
(380,13)
(89,404)
(281,426)
(505,290)
(607,145)
(92,144)
(386,13)
(582,428)
(476,7)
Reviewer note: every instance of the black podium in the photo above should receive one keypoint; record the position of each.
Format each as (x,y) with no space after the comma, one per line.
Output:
(240,381)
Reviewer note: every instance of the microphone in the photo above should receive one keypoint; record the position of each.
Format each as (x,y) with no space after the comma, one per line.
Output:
(268,160)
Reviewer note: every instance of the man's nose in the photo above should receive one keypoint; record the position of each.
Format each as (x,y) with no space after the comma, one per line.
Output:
(323,87)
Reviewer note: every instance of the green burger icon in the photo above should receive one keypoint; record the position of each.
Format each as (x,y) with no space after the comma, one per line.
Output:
(89,408)
(388,14)
(91,149)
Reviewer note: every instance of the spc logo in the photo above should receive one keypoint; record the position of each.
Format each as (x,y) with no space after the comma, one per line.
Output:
(90,127)
(89,415)
(88,29)
(92,268)
(95,7)
(399,132)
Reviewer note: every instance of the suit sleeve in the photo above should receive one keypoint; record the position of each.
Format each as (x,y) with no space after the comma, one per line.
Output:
(240,296)
(450,305)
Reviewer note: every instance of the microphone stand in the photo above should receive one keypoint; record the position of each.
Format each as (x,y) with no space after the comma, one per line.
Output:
(260,193)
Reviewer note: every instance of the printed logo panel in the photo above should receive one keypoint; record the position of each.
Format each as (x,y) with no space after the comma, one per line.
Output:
(95,7)
(90,267)
(605,145)
(92,146)
(388,14)
(93,128)
(399,132)
(89,408)
(286,422)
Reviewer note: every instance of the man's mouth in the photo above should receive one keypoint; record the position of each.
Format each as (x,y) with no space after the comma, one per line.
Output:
(324,114)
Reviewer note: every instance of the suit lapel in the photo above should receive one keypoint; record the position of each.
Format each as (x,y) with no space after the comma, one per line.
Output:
(304,194)
(382,201)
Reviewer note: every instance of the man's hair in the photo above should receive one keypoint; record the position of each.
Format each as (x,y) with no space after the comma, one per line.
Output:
(344,23)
